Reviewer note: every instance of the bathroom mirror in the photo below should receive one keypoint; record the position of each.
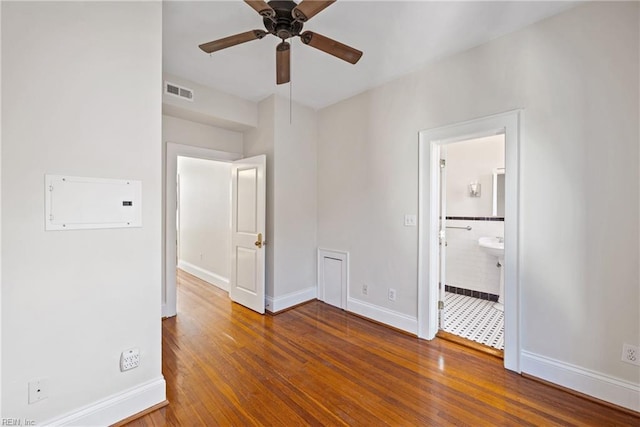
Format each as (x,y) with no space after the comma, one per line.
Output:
(498,192)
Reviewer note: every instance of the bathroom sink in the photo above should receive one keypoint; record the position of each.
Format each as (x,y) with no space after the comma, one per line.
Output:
(492,245)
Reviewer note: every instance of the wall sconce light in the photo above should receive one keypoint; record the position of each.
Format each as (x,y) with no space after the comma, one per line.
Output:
(474,189)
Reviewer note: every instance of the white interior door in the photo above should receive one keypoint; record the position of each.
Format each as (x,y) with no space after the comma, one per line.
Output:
(248,212)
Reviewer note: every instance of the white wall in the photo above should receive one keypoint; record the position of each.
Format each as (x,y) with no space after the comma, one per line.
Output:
(290,147)
(204,222)
(472,161)
(576,76)
(88,104)
(210,106)
(295,198)
(261,140)
(181,131)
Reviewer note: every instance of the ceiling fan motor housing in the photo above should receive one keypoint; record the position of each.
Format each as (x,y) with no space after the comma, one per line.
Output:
(283,25)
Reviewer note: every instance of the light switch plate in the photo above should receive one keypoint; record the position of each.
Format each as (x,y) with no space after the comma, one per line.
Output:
(410,220)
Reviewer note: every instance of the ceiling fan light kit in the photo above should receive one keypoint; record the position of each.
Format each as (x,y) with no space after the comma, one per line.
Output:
(285,19)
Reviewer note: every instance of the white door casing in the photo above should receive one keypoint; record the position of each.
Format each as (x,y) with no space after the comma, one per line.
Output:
(429,146)
(248,223)
(442,240)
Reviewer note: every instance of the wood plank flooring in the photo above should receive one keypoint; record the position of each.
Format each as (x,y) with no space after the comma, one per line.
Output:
(317,365)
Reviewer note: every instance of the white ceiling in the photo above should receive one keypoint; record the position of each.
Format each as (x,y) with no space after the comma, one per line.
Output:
(397,37)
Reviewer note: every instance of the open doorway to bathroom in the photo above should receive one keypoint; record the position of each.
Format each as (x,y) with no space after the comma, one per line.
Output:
(433,231)
(471,279)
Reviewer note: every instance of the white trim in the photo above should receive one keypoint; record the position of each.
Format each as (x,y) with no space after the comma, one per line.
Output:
(383,315)
(429,147)
(289,300)
(592,383)
(206,275)
(171,169)
(339,255)
(116,407)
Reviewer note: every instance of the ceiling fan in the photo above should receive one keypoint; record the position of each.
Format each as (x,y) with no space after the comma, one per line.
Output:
(285,19)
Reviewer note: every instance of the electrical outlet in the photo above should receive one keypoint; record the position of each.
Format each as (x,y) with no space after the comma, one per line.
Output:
(365,289)
(631,354)
(129,359)
(38,390)
(392,294)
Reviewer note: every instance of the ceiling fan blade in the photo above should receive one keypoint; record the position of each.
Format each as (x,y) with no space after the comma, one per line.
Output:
(330,46)
(307,9)
(232,40)
(283,63)
(261,7)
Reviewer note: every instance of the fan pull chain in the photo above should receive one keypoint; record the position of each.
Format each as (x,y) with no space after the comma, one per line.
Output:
(290,90)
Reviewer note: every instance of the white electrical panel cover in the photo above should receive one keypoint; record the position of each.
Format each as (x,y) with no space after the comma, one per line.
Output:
(74,202)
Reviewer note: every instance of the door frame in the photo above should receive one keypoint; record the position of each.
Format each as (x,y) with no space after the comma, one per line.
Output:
(173,150)
(430,142)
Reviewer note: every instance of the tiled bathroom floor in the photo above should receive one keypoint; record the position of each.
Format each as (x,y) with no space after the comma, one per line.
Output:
(474,319)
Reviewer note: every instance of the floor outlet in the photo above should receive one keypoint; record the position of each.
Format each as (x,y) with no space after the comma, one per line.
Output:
(392,294)
(631,354)
(38,390)
(129,359)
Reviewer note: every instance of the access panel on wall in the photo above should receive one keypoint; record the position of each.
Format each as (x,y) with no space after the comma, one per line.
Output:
(74,202)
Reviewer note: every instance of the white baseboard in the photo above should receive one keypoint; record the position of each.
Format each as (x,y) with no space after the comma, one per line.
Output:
(595,384)
(206,275)
(116,407)
(383,315)
(289,300)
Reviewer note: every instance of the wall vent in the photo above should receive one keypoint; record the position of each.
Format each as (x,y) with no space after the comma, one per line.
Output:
(179,91)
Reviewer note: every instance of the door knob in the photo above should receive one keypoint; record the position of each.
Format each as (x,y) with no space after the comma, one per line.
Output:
(259,243)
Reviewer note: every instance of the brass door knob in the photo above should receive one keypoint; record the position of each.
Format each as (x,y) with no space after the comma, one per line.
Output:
(259,243)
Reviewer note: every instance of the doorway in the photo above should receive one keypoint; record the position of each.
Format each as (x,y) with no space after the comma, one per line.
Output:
(203,219)
(248,223)
(471,243)
(169,303)
(430,264)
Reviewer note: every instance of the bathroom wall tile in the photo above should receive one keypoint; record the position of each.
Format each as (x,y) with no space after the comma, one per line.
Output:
(468,267)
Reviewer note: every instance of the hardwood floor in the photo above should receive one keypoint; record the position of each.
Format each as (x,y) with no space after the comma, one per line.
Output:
(317,365)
